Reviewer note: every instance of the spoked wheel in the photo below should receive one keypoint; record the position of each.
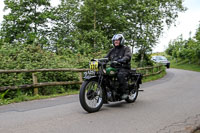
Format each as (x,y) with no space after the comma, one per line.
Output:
(132,96)
(91,96)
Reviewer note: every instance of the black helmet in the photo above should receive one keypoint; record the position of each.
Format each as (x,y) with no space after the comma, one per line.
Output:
(118,37)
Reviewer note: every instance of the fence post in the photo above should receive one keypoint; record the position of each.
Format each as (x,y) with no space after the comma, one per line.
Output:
(160,68)
(152,69)
(80,77)
(146,71)
(35,81)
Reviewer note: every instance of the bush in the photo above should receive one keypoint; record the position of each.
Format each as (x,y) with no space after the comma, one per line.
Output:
(33,57)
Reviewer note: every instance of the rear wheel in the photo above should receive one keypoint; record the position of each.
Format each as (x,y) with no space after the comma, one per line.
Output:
(168,65)
(91,96)
(133,95)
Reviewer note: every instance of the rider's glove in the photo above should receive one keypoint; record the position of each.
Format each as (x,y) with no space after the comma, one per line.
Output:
(121,61)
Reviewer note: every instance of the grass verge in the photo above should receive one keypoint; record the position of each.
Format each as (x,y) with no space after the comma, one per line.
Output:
(185,65)
(22,98)
(154,77)
(197,130)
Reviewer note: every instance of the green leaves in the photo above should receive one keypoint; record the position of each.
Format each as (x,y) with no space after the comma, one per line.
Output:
(87,26)
(33,57)
(73,22)
(26,20)
(186,49)
(141,21)
(63,28)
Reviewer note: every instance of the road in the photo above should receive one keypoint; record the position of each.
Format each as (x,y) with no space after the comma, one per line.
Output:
(167,105)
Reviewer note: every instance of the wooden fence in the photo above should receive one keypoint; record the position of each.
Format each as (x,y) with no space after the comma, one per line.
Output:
(146,71)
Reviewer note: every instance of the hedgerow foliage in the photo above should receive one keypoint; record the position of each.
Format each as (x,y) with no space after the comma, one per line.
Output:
(33,57)
(188,50)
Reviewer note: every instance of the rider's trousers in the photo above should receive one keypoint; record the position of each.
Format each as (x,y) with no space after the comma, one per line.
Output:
(122,76)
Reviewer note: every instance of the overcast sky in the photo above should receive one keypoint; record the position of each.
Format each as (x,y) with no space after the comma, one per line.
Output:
(187,22)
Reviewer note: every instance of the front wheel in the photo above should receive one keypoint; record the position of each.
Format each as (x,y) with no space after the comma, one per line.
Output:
(133,95)
(91,96)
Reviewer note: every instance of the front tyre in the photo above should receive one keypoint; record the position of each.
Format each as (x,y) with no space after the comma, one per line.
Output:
(133,95)
(91,96)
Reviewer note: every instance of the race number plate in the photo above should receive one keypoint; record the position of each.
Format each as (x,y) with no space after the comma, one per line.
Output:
(94,65)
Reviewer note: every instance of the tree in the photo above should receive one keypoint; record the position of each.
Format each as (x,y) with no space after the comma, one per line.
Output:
(177,48)
(147,21)
(26,22)
(101,18)
(63,25)
(188,50)
(170,48)
(197,37)
(198,53)
(141,21)
(88,25)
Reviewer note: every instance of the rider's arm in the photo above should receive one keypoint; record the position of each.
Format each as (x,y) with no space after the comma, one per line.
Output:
(108,55)
(127,55)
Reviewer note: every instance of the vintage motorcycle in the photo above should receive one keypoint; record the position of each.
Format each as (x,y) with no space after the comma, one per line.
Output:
(101,85)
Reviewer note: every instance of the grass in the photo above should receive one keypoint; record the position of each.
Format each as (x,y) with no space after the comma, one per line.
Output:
(22,98)
(197,130)
(185,65)
(154,77)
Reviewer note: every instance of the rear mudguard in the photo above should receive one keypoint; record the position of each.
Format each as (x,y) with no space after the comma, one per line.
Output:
(140,76)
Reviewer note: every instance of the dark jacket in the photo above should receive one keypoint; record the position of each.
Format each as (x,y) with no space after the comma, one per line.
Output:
(122,53)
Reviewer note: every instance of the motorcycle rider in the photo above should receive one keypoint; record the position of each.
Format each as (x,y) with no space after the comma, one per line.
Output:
(122,54)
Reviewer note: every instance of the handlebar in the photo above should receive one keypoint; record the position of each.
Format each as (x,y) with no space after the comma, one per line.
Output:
(106,61)
(115,62)
(101,59)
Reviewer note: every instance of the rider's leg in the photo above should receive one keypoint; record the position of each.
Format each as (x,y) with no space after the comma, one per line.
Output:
(123,83)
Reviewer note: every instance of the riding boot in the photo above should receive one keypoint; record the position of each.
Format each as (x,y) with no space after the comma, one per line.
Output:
(125,91)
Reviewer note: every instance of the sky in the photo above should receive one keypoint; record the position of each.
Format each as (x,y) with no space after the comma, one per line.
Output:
(187,22)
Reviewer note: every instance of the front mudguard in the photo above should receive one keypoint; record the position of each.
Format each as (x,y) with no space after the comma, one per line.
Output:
(90,77)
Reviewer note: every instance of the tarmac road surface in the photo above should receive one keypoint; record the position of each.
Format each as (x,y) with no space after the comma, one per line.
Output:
(167,105)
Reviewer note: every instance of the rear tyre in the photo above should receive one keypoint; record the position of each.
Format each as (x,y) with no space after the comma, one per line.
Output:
(133,95)
(168,66)
(91,96)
